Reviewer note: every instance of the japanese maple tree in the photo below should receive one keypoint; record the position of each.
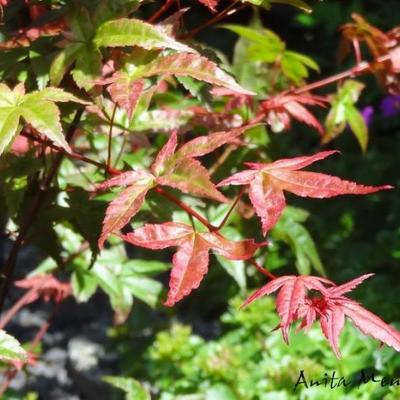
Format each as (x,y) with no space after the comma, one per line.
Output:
(118,127)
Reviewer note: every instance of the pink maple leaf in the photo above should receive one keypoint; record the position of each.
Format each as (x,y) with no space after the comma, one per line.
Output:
(190,262)
(295,302)
(178,169)
(267,183)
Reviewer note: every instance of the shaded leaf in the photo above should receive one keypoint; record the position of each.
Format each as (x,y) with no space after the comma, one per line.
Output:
(189,176)
(290,230)
(211,4)
(284,106)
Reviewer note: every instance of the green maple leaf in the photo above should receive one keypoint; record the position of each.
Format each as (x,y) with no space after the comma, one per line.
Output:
(36,108)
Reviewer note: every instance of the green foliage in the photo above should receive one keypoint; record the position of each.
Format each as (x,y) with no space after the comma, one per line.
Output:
(248,361)
(344,112)
(290,229)
(36,108)
(266,47)
(10,348)
(132,388)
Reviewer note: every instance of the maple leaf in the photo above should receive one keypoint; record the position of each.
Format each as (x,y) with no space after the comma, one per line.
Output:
(294,302)
(180,170)
(126,205)
(191,65)
(380,44)
(190,262)
(210,4)
(46,286)
(267,183)
(344,113)
(11,350)
(127,85)
(125,92)
(177,169)
(282,107)
(292,293)
(333,307)
(37,108)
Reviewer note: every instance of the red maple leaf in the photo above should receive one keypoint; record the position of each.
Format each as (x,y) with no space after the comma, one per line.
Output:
(125,92)
(294,302)
(280,109)
(267,182)
(178,169)
(46,286)
(190,262)
(292,294)
(210,4)
(128,202)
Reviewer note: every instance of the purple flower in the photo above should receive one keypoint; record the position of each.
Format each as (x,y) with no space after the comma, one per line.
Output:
(390,105)
(368,114)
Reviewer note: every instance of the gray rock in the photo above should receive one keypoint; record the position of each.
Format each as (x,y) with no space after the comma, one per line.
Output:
(84,354)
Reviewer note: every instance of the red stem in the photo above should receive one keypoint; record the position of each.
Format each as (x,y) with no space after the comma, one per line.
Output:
(354,71)
(230,209)
(264,271)
(110,137)
(357,50)
(227,11)
(184,207)
(161,10)
(16,307)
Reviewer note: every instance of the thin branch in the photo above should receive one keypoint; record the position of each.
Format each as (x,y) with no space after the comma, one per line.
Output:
(357,50)
(38,202)
(161,10)
(110,136)
(121,151)
(72,155)
(264,271)
(231,209)
(25,299)
(184,207)
(351,72)
(226,12)
(221,159)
